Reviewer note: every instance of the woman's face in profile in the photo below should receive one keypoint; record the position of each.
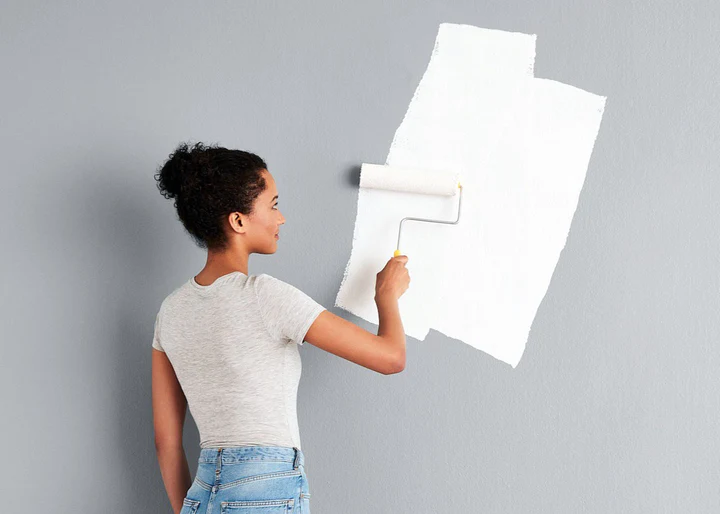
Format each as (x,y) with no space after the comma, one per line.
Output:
(266,218)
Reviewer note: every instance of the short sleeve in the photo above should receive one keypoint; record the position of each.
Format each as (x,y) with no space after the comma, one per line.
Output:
(287,312)
(156,335)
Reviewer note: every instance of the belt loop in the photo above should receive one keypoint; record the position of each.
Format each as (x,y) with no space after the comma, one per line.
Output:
(297,457)
(218,463)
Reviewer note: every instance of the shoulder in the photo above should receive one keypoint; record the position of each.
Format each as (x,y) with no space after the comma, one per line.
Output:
(266,280)
(266,284)
(272,289)
(173,300)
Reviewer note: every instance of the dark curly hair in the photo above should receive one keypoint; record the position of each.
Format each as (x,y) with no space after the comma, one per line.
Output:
(208,182)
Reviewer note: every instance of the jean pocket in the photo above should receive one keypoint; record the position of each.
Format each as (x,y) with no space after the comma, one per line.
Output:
(257,507)
(189,506)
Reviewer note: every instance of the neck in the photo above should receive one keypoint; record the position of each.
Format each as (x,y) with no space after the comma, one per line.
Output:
(222,263)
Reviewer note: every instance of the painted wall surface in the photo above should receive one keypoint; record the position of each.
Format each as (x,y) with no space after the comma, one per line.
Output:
(519,146)
(615,404)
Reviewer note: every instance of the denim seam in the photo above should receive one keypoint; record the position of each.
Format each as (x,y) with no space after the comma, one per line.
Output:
(249,459)
(209,487)
(256,503)
(203,484)
(259,477)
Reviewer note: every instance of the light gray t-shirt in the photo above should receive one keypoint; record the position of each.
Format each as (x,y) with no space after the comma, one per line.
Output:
(233,346)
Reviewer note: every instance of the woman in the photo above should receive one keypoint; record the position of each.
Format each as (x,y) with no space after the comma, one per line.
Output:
(226,343)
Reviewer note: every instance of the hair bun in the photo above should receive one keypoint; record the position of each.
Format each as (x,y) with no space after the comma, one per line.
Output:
(181,170)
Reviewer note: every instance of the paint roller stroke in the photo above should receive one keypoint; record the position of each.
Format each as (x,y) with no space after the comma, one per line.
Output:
(522,146)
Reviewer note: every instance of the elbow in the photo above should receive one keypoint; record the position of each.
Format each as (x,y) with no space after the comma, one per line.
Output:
(396,365)
(163,444)
(160,445)
(400,367)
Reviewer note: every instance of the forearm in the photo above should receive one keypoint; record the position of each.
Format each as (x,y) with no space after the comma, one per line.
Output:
(390,325)
(175,473)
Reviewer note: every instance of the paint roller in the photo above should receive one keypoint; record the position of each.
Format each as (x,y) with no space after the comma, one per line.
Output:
(412,180)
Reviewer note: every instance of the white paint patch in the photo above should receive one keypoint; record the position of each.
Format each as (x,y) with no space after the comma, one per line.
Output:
(522,146)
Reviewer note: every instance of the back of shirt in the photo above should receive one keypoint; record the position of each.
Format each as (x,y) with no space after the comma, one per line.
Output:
(233,346)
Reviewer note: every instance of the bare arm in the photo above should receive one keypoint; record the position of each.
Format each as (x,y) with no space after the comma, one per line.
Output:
(169,405)
(384,352)
(390,327)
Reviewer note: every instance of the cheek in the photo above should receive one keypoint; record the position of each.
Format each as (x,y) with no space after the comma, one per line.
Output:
(269,223)
(262,225)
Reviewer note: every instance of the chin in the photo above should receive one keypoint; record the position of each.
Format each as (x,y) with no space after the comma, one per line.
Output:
(269,250)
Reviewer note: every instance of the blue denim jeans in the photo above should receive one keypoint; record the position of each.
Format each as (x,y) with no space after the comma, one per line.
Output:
(249,480)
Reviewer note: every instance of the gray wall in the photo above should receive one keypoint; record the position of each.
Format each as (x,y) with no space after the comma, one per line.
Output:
(614,406)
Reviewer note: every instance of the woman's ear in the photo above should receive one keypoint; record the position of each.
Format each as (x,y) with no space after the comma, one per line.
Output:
(235,220)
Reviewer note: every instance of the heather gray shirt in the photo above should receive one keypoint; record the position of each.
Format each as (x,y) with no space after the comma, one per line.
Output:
(233,346)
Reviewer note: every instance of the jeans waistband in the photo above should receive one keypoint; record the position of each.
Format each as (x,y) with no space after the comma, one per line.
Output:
(232,454)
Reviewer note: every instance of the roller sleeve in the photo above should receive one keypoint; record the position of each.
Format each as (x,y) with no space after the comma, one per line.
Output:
(411,180)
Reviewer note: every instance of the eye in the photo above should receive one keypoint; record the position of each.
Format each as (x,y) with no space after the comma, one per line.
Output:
(275,205)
